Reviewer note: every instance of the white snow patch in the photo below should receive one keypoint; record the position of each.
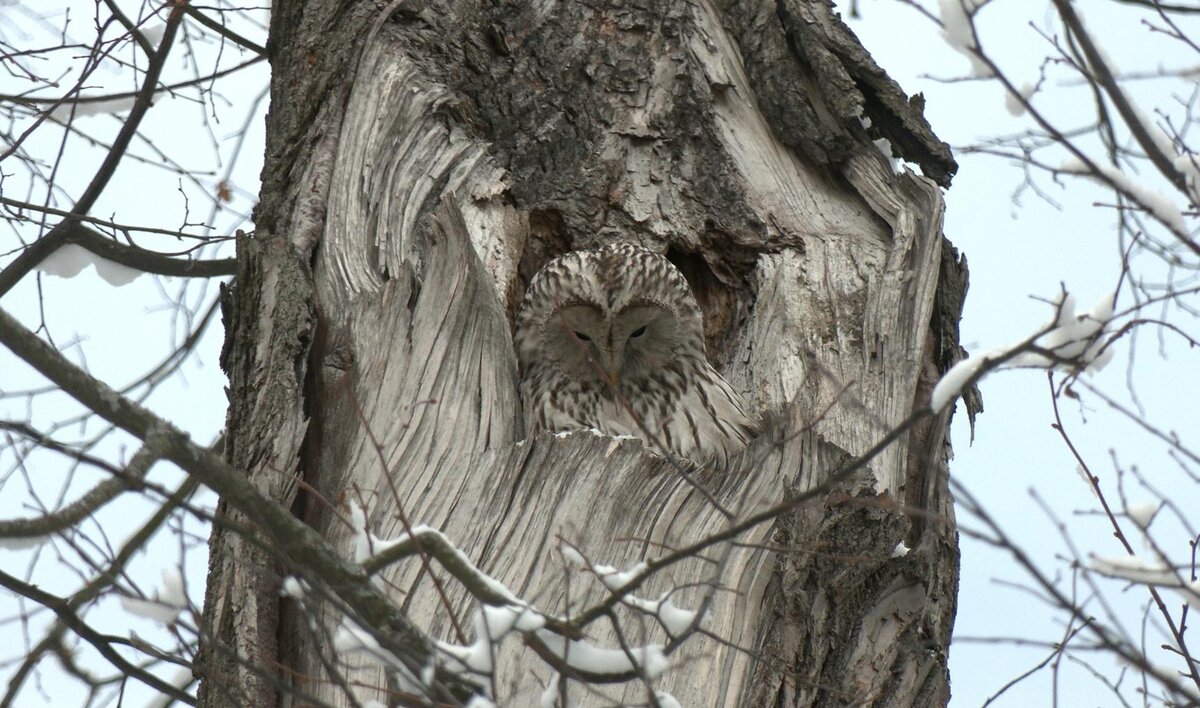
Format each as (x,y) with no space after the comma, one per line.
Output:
(549,697)
(675,619)
(293,587)
(958,33)
(478,701)
(884,146)
(114,273)
(166,604)
(951,384)
(1158,136)
(572,556)
(900,550)
(492,624)
(21,543)
(503,619)
(64,111)
(1014,103)
(1142,513)
(584,656)
(1189,165)
(1158,204)
(66,262)
(1069,341)
(69,260)
(367,544)
(1136,570)
(1087,479)
(154,33)
(666,700)
(350,638)
(615,580)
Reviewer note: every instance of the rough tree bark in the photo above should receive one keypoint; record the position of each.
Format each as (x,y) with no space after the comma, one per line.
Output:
(734,136)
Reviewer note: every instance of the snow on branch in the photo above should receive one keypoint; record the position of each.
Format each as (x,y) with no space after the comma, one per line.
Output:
(165,605)
(1153,201)
(1071,342)
(1156,572)
(501,613)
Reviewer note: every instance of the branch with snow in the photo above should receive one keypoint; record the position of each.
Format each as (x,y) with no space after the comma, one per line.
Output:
(1071,342)
(558,641)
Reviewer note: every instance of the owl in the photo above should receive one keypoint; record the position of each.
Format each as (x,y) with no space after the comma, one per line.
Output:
(613,339)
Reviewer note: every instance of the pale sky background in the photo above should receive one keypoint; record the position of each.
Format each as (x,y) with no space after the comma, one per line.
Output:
(1015,251)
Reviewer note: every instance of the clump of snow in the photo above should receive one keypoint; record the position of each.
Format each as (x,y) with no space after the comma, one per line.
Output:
(956,25)
(572,556)
(293,587)
(1158,204)
(154,33)
(549,697)
(884,146)
(1015,103)
(615,580)
(367,544)
(475,657)
(478,701)
(900,550)
(675,619)
(959,34)
(492,624)
(351,638)
(1142,513)
(1087,479)
(584,656)
(21,543)
(69,260)
(666,700)
(501,620)
(114,273)
(66,261)
(166,604)
(1189,165)
(951,384)
(1069,341)
(81,108)
(1157,572)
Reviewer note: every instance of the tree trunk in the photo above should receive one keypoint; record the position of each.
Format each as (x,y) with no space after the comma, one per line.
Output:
(424,160)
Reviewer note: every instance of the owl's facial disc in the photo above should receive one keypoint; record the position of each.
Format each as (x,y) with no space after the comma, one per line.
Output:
(645,337)
(578,337)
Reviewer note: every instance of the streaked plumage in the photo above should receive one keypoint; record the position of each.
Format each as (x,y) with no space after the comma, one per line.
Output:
(613,336)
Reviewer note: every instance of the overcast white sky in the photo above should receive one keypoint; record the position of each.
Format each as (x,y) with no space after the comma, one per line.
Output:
(1015,251)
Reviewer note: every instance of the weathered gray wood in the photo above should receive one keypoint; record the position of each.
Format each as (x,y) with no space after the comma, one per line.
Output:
(553,126)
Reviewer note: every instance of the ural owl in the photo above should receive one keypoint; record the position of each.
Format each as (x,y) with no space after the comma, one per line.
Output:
(613,337)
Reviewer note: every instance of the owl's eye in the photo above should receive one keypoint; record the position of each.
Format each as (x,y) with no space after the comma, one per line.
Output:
(583,336)
(638,332)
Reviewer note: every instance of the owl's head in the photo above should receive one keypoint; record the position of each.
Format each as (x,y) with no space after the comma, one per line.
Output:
(617,314)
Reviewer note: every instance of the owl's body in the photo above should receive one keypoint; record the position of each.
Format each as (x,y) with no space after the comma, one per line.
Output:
(613,339)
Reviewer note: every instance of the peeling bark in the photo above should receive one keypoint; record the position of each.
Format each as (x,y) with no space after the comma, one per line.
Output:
(726,135)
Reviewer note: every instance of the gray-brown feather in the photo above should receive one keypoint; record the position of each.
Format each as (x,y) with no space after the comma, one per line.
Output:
(612,339)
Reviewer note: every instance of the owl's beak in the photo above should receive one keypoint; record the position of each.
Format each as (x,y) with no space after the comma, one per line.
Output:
(610,364)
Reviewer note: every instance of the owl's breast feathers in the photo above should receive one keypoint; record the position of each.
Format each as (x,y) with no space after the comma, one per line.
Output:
(686,411)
